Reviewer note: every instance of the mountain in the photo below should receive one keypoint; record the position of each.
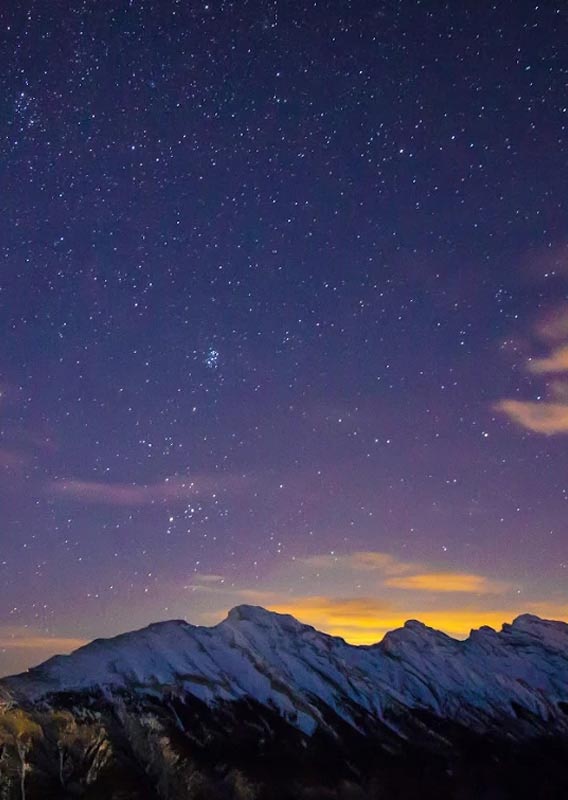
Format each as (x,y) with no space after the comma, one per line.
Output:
(262,706)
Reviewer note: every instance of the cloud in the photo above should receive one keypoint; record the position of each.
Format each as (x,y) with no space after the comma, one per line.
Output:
(448,582)
(557,361)
(549,416)
(53,644)
(558,390)
(361,560)
(553,326)
(209,578)
(130,494)
(541,417)
(201,582)
(398,574)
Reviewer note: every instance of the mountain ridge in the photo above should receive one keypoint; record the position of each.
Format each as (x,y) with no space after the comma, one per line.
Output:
(253,648)
(236,612)
(173,698)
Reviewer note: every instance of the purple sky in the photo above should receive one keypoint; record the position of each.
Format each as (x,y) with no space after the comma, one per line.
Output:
(284,308)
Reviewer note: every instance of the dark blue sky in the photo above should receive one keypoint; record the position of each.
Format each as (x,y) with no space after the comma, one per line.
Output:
(271,279)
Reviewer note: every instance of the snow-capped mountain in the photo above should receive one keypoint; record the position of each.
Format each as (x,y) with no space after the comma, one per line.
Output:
(171,695)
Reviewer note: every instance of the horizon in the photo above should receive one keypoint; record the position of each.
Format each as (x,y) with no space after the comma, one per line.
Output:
(362,643)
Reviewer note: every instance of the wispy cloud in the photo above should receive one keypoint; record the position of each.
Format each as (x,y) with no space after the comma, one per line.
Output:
(547,416)
(205,583)
(449,582)
(171,489)
(51,644)
(553,326)
(399,574)
(556,362)
(539,417)
(361,560)
(209,578)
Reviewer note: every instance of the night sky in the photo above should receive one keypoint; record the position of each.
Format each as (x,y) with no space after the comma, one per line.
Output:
(284,314)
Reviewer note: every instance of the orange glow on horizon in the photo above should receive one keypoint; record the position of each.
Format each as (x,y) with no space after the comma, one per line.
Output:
(366,621)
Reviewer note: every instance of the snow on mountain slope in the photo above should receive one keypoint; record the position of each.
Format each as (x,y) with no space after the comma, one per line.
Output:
(518,675)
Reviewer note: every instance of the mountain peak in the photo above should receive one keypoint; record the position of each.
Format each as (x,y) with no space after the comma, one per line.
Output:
(415,635)
(416,625)
(530,621)
(257,617)
(250,613)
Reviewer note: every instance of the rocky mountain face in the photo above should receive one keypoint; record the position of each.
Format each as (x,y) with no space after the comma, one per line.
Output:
(261,707)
